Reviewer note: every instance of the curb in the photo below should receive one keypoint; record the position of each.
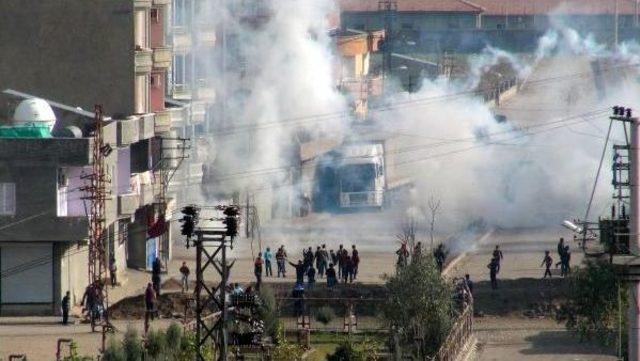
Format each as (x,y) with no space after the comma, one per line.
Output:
(457,259)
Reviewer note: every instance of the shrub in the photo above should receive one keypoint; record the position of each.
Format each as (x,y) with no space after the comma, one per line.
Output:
(174,338)
(267,311)
(114,351)
(325,315)
(367,350)
(156,344)
(132,345)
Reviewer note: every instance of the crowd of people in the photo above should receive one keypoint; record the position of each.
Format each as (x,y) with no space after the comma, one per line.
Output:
(321,263)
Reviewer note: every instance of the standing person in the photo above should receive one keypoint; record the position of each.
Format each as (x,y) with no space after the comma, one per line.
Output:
(440,256)
(340,261)
(567,261)
(333,257)
(403,255)
(547,261)
(560,248)
(150,305)
(494,267)
(257,270)
(331,276)
(355,259)
(267,263)
(497,254)
(324,262)
(66,300)
(347,272)
(319,259)
(113,271)
(89,301)
(184,281)
(417,250)
(281,256)
(156,268)
(311,277)
(469,283)
(299,271)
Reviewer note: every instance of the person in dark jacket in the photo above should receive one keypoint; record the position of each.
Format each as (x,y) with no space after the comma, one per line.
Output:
(257,270)
(355,260)
(494,267)
(311,277)
(299,271)
(347,272)
(66,300)
(331,276)
(156,268)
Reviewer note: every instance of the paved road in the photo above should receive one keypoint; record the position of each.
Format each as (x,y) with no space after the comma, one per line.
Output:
(521,338)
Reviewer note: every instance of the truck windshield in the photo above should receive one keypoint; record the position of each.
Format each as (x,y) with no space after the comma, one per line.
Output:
(357,178)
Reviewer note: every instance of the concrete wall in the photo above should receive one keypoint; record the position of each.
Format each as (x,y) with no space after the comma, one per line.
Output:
(409,20)
(65,50)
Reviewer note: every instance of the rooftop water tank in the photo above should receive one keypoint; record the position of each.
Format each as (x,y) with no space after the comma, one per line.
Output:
(36,112)
(33,118)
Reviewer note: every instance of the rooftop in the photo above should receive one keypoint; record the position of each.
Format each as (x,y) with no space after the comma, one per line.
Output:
(500,7)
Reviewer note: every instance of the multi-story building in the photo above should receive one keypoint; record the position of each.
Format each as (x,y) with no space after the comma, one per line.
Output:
(190,89)
(108,52)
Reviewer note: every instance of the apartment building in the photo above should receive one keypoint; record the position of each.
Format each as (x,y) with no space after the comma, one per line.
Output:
(190,89)
(120,60)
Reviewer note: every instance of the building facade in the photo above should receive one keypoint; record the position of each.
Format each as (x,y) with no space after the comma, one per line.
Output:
(119,60)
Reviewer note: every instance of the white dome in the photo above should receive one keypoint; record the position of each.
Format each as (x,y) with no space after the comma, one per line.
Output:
(34,111)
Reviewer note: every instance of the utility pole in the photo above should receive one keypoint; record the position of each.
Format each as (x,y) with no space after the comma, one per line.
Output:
(97,195)
(625,258)
(208,298)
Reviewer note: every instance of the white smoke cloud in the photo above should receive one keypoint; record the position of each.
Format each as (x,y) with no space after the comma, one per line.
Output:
(514,174)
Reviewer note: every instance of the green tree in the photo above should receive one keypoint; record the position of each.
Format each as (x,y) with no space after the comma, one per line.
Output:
(419,309)
(591,309)
(267,311)
(285,351)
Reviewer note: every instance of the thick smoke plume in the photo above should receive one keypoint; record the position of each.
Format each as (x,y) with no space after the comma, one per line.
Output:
(534,170)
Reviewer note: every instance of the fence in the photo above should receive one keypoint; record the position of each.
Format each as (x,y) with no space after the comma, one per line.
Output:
(458,336)
(330,314)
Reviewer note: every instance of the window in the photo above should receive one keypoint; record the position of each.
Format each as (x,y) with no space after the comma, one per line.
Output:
(141,28)
(155,15)
(156,81)
(142,94)
(179,13)
(7,199)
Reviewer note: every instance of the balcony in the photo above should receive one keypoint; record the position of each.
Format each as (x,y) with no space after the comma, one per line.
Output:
(143,60)
(181,92)
(162,57)
(204,90)
(128,131)
(147,126)
(147,194)
(181,38)
(198,112)
(46,228)
(128,203)
(178,116)
(161,2)
(163,121)
(206,34)
(142,4)
(195,172)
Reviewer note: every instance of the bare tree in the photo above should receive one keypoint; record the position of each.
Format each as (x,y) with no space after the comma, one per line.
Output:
(407,233)
(434,206)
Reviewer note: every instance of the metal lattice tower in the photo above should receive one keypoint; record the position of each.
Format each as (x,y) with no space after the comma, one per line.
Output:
(97,194)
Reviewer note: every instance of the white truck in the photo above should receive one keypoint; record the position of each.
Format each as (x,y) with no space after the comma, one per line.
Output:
(361,175)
